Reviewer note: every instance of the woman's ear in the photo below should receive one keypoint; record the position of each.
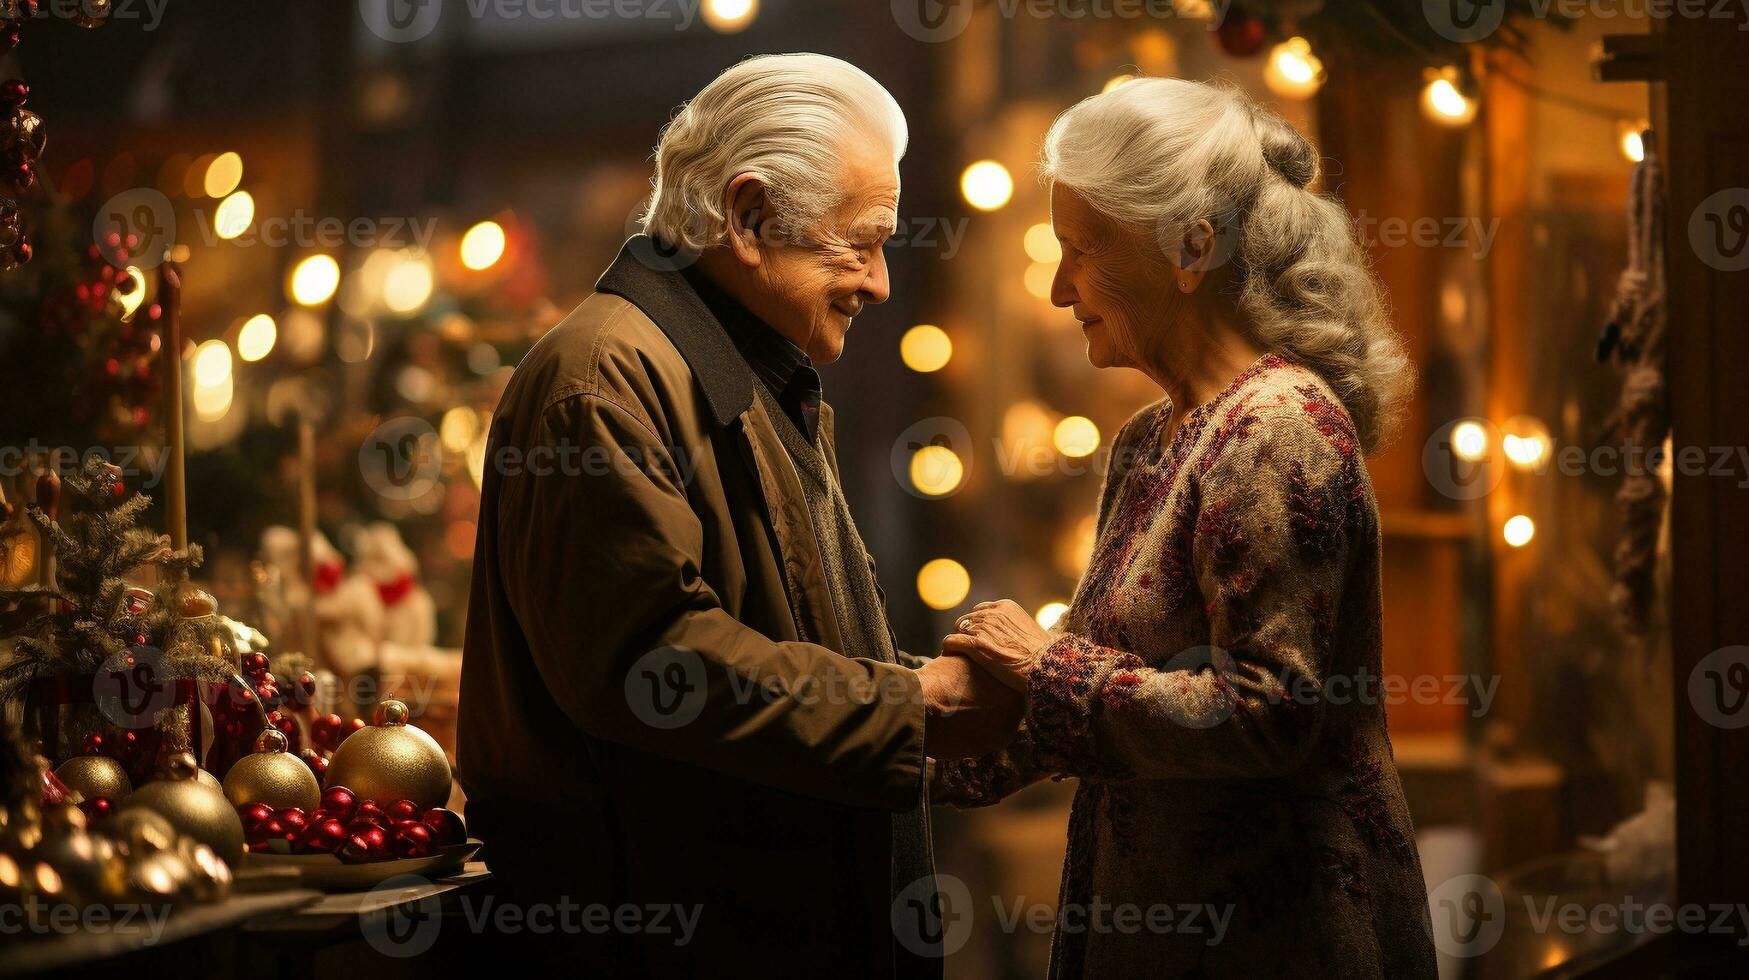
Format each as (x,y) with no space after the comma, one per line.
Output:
(1196,253)
(746,197)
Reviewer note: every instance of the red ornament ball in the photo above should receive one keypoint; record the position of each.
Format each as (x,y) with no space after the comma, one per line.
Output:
(293,818)
(97,807)
(413,840)
(401,811)
(446,826)
(317,762)
(325,732)
(1240,34)
(370,844)
(322,837)
(255,663)
(339,802)
(254,815)
(372,813)
(13,91)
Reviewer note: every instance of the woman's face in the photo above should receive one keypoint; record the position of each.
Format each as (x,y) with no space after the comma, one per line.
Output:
(1113,280)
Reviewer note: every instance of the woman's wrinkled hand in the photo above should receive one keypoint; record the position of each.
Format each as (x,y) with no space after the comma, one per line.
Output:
(1003,637)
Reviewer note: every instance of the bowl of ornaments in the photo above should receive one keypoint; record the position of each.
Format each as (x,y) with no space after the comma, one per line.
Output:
(378,813)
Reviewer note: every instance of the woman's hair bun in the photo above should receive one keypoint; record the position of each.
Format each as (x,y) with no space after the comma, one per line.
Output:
(1285,150)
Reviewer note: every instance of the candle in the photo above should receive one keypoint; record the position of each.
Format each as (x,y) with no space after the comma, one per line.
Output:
(175,487)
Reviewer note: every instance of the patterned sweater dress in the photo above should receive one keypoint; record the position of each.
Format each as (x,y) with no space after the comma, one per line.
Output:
(1215,689)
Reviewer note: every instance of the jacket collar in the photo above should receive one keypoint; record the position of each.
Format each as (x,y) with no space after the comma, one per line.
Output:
(647,275)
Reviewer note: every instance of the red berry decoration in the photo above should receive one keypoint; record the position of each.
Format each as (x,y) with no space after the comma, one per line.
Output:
(13,91)
(413,840)
(94,744)
(401,811)
(446,826)
(293,818)
(255,664)
(325,732)
(97,807)
(339,802)
(317,762)
(254,815)
(370,844)
(372,813)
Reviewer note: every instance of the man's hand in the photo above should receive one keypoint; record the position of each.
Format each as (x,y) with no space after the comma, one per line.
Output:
(967,711)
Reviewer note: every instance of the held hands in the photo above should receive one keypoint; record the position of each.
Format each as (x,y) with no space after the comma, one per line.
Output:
(1001,637)
(967,711)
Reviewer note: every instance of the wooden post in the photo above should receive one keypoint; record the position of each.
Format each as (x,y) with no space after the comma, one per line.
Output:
(306,614)
(176,486)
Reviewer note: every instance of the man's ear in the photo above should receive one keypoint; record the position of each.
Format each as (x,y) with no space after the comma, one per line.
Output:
(746,197)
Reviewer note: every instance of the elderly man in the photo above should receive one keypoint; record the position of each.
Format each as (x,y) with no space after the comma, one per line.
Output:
(682,706)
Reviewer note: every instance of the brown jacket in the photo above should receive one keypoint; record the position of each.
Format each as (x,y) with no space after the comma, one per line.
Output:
(654,710)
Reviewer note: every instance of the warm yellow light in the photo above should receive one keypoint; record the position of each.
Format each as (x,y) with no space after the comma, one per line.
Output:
(730,16)
(1469,441)
(1443,102)
(1076,436)
(943,583)
(234,215)
(1041,243)
(1633,145)
(131,300)
(212,364)
(1525,441)
(936,470)
(1038,279)
(1294,72)
(459,427)
(1049,613)
(925,348)
(213,401)
(1116,81)
(987,185)
(408,285)
(255,341)
(223,175)
(1519,530)
(483,245)
(314,280)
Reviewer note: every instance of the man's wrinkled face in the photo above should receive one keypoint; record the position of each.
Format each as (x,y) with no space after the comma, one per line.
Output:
(816,280)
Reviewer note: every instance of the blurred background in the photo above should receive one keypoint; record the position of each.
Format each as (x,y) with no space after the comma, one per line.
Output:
(377,215)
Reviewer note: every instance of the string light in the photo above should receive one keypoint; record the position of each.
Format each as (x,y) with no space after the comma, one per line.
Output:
(1518,530)
(1469,441)
(730,16)
(222,175)
(1076,436)
(1633,144)
(255,341)
(131,300)
(1038,279)
(943,583)
(408,285)
(987,185)
(1293,71)
(483,245)
(314,280)
(1041,243)
(925,348)
(234,215)
(936,470)
(1049,613)
(1444,101)
(1525,441)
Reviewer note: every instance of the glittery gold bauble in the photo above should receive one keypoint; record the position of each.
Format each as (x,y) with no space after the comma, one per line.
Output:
(391,760)
(273,776)
(93,776)
(192,808)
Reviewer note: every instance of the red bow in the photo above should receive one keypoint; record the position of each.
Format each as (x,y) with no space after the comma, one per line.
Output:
(396,590)
(328,576)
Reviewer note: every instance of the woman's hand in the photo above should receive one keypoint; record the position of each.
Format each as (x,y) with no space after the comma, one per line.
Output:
(1004,638)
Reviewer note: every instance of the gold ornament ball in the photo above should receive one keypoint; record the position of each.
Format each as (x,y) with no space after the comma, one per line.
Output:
(193,808)
(273,776)
(92,776)
(391,761)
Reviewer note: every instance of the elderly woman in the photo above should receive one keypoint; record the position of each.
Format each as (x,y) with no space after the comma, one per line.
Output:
(1238,813)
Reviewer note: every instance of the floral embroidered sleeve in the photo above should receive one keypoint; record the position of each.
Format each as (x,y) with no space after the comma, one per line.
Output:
(987,780)
(1277,513)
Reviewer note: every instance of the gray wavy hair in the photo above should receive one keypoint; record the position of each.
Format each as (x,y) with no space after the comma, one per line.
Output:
(784,117)
(1158,154)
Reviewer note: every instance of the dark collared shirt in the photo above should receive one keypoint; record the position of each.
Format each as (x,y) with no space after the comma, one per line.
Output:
(785,369)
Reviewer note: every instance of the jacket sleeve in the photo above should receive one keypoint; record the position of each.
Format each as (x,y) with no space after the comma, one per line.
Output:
(1278,516)
(988,780)
(603,571)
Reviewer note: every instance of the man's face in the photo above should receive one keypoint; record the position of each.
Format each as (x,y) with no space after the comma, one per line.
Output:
(815,281)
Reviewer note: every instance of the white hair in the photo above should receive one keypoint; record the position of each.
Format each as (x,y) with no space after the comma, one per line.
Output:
(783,117)
(1158,154)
